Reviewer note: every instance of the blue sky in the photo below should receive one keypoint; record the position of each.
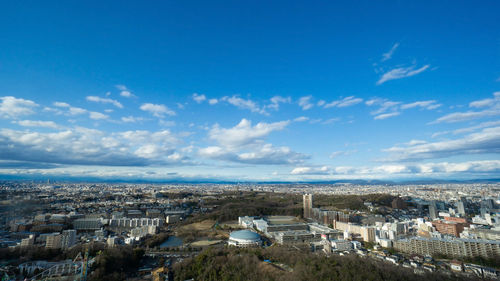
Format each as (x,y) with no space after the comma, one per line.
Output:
(267,90)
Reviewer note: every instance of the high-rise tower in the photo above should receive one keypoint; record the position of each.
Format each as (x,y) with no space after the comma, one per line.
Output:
(308,204)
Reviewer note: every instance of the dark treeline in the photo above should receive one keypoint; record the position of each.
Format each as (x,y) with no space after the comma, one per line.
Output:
(352,202)
(259,204)
(254,204)
(292,265)
(116,263)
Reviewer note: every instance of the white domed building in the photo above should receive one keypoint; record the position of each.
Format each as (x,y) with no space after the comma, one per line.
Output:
(244,238)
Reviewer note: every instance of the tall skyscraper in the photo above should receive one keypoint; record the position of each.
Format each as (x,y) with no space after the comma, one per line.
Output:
(433,213)
(461,208)
(308,204)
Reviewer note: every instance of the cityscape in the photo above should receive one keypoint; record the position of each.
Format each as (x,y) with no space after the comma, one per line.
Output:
(58,231)
(249,141)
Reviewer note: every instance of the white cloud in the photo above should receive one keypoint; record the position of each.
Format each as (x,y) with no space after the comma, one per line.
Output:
(199,98)
(37,123)
(212,101)
(158,110)
(348,101)
(267,154)
(83,146)
(76,111)
(428,104)
(244,143)
(97,115)
(310,171)
(276,100)
(166,123)
(131,119)
(384,105)
(388,55)
(465,116)
(386,115)
(330,121)
(401,72)
(61,104)
(244,104)
(124,91)
(387,108)
(486,141)
(491,108)
(104,100)
(12,107)
(386,171)
(71,109)
(244,133)
(305,102)
(301,119)
(494,102)
(474,128)
(336,154)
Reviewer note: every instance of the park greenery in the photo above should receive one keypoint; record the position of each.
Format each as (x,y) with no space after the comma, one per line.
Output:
(282,263)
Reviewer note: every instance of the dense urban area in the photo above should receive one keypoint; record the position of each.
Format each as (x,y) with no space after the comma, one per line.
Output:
(116,231)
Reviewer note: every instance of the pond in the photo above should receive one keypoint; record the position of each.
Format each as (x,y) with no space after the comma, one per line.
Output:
(172,241)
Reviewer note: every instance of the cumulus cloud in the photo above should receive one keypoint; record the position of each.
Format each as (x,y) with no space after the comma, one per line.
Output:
(486,141)
(264,154)
(104,100)
(12,107)
(413,170)
(491,107)
(131,119)
(348,101)
(71,110)
(244,143)
(401,72)
(310,171)
(37,123)
(124,91)
(76,111)
(199,98)
(239,102)
(388,55)
(244,104)
(83,146)
(97,115)
(305,102)
(158,110)
(61,104)
(276,100)
(244,133)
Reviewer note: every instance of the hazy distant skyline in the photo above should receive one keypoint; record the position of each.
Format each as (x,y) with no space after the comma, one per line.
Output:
(264,91)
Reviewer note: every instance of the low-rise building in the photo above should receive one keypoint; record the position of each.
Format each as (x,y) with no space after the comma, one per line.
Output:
(450,247)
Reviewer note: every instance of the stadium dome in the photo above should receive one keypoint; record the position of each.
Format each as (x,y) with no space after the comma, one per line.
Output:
(244,238)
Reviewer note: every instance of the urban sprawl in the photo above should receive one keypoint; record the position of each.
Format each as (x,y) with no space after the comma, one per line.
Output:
(61,231)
